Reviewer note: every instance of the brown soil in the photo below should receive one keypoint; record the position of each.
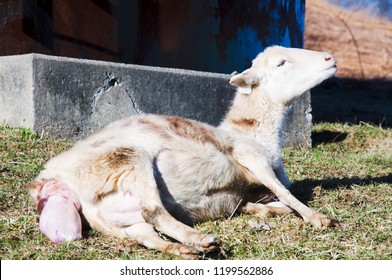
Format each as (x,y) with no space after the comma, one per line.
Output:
(362,45)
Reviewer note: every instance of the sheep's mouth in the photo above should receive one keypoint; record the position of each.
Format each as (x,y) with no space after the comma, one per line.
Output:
(333,67)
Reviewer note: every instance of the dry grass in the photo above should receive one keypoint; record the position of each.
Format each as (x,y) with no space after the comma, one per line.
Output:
(347,175)
(361,43)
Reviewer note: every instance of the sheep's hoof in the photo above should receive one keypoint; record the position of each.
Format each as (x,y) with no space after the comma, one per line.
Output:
(330,223)
(319,220)
(259,225)
(209,243)
(184,251)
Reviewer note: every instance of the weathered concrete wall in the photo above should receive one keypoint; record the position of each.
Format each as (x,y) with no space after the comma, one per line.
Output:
(16,91)
(71,98)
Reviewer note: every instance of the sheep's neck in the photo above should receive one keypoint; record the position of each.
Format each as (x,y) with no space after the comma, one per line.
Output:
(259,117)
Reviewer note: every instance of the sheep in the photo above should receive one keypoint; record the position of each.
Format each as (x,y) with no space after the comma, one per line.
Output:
(152,173)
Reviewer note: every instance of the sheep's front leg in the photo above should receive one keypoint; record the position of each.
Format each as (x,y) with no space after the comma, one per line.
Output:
(282,176)
(143,186)
(262,172)
(267,177)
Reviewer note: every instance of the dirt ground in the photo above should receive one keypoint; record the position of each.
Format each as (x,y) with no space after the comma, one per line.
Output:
(362,44)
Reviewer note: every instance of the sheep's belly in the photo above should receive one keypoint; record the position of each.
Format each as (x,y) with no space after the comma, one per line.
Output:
(120,209)
(201,181)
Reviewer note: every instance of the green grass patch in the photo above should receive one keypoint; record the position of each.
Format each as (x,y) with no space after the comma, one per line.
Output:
(346,175)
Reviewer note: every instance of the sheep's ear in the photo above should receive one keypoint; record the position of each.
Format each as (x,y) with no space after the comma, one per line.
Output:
(244,81)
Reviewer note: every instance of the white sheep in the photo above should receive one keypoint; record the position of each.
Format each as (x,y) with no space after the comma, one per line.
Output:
(152,173)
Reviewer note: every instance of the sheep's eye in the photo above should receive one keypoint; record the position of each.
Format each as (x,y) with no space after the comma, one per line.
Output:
(282,62)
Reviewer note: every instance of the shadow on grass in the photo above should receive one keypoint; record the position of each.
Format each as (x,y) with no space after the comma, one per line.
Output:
(303,190)
(328,136)
(353,101)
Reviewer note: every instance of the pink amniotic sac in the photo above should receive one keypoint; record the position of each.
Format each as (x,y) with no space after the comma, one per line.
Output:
(59,211)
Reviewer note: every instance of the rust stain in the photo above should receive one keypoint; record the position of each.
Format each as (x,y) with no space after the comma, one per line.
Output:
(193,131)
(244,122)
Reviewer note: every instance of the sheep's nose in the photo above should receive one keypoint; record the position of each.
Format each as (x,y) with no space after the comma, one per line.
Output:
(329,57)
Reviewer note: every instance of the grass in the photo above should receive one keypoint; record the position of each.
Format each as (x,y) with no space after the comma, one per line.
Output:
(346,175)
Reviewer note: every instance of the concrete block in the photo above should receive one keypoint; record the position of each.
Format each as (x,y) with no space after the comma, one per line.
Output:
(72,98)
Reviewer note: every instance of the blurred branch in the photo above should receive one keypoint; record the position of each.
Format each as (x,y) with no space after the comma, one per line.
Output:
(345,23)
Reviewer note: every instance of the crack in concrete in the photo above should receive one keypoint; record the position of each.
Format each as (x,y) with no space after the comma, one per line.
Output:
(134,103)
(108,83)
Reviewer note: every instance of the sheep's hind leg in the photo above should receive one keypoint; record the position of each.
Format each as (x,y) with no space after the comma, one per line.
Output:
(146,235)
(143,186)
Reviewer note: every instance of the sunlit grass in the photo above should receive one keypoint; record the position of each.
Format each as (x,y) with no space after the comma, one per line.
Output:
(346,175)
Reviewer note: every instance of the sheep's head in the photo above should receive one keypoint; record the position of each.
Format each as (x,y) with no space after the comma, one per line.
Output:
(285,73)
